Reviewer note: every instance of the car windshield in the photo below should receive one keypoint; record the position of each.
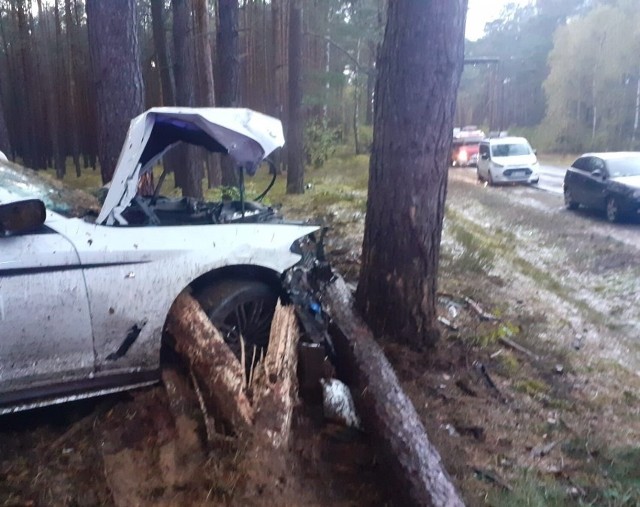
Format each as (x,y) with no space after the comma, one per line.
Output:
(628,166)
(510,150)
(28,184)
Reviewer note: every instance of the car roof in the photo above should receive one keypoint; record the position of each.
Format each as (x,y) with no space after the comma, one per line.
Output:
(612,155)
(507,140)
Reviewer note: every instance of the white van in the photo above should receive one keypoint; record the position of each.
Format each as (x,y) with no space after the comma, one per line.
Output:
(507,160)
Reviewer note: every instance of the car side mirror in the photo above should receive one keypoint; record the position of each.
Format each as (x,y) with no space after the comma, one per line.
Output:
(485,156)
(21,216)
(535,152)
(597,174)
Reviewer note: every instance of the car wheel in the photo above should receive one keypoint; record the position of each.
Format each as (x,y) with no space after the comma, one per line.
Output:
(241,308)
(478,175)
(490,178)
(613,210)
(569,201)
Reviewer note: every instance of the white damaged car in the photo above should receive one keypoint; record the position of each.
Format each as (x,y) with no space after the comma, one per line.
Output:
(84,295)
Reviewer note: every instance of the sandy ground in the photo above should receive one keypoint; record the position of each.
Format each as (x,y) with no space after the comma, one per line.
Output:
(558,425)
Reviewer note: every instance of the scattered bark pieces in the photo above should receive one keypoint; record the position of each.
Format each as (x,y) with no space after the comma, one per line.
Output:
(542,450)
(479,311)
(447,323)
(476,432)
(518,347)
(484,374)
(462,385)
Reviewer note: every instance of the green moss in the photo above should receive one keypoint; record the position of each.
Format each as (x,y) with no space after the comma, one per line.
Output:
(508,364)
(502,330)
(532,387)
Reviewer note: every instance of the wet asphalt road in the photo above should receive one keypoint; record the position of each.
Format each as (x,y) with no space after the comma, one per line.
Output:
(548,194)
(551,178)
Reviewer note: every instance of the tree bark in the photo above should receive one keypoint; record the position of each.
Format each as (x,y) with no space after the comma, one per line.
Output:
(5,144)
(115,65)
(276,382)
(407,456)
(206,91)
(419,69)
(71,79)
(160,43)
(229,70)
(295,148)
(190,178)
(219,373)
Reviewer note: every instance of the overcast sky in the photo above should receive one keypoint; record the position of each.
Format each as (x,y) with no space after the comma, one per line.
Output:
(483,11)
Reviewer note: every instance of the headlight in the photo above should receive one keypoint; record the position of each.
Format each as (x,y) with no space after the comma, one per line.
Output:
(500,166)
(636,194)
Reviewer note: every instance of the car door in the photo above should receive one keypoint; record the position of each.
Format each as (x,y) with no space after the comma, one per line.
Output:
(576,179)
(45,328)
(483,160)
(595,183)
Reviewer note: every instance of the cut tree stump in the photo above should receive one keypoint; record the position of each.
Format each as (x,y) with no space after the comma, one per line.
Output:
(385,410)
(218,371)
(221,377)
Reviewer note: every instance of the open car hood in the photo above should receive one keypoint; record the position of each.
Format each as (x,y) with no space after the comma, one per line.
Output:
(246,136)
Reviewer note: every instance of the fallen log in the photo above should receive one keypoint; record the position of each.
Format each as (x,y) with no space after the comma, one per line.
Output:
(385,410)
(219,373)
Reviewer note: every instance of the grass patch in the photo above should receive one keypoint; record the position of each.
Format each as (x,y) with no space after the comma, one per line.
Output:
(508,364)
(533,387)
(502,330)
(531,491)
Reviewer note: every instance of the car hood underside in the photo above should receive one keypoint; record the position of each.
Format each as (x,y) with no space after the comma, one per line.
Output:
(246,136)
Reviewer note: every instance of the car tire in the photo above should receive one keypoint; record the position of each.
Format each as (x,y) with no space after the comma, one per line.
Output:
(490,179)
(241,308)
(613,210)
(569,201)
(480,180)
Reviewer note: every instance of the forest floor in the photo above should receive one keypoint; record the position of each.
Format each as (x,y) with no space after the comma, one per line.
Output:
(555,423)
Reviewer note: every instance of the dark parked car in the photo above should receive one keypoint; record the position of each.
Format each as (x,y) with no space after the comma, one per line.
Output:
(606,181)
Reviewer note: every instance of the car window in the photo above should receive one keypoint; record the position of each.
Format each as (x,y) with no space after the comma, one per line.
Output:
(510,150)
(628,166)
(28,184)
(582,163)
(597,164)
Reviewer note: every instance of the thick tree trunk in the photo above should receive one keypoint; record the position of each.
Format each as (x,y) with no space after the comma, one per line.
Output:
(71,79)
(61,158)
(229,70)
(160,43)
(206,91)
(295,148)
(419,69)
(190,178)
(115,64)
(5,145)
(412,463)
